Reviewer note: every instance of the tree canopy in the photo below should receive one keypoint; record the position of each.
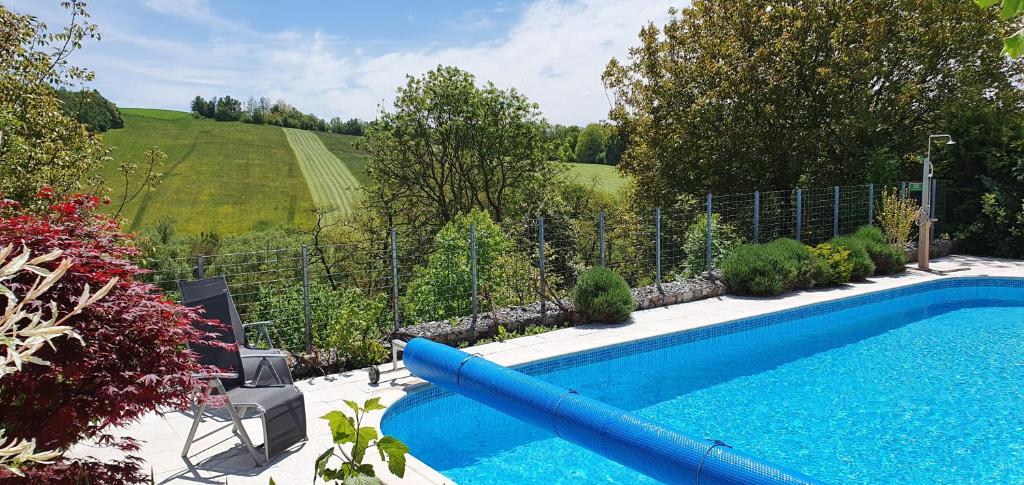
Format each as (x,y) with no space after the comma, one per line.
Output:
(39,144)
(747,95)
(449,146)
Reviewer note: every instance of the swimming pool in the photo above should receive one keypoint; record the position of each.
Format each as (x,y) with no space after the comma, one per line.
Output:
(920,384)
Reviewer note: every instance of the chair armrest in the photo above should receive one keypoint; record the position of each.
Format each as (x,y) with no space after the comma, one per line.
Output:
(263,330)
(215,375)
(261,323)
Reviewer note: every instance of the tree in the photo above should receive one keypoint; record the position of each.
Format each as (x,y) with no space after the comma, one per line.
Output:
(90,108)
(134,345)
(450,146)
(749,95)
(200,106)
(227,109)
(1013,45)
(39,144)
(590,144)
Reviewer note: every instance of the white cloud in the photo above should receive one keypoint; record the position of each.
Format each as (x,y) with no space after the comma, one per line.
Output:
(554,53)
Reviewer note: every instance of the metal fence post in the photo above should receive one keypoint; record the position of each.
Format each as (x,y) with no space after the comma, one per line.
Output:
(871,204)
(305,298)
(600,235)
(540,263)
(657,247)
(707,240)
(757,215)
(472,272)
(835,211)
(200,270)
(799,211)
(394,276)
(903,190)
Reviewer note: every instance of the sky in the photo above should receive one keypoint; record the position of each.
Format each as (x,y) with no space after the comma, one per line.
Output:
(346,58)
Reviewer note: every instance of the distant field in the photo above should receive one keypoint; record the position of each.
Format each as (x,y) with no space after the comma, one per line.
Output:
(218,177)
(605,177)
(159,114)
(343,147)
(329,179)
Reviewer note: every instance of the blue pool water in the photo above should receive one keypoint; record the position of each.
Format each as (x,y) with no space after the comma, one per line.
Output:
(917,385)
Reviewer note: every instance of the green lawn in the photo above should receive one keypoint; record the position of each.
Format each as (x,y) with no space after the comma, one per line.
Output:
(329,179)
(218,177)
(605,178)
(343,147)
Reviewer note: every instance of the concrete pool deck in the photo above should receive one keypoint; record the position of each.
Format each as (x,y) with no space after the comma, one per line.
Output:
(220,457)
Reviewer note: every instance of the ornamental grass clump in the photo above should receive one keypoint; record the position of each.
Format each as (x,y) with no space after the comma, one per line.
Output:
(602,296)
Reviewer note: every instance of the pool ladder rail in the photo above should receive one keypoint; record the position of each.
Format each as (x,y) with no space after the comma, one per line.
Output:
(375,372)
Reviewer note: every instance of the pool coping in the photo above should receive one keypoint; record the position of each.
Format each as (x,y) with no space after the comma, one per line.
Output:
(660,322)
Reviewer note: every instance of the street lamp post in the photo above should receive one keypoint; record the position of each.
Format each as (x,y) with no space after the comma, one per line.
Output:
(925,216)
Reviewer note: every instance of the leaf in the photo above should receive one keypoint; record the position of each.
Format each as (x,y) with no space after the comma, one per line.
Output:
(986,3)
(342,430)
(373,404)
(366,435)
(362,480)
(321,464)
(1010,9)
(395,451)
(355,407)
(272,482)
(1014,44)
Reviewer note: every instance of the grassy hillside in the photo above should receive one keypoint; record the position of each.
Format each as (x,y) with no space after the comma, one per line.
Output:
(329,179)
(605,177)
(218,177)
(236,178)
(343,147)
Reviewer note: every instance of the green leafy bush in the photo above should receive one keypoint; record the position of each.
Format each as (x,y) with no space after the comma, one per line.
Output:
(835,260)
(441,289)
(764,269)
(344,320)
(887,258)
(695,246)
(601,295)
(863,266)
(870,234)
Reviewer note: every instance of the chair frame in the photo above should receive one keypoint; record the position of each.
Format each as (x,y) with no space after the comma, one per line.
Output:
(213,383)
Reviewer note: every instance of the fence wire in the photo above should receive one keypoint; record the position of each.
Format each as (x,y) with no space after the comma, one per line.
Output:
(310,291)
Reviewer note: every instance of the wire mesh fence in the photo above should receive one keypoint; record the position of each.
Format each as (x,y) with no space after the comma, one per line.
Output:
(315,293)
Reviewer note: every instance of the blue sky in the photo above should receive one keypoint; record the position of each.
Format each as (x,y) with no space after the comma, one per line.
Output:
(346,58)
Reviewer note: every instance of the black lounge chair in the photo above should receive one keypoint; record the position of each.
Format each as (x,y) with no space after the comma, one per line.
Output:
(256,361)
(280,406)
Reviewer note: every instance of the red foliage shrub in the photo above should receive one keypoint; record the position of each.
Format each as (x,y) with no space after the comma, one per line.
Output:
(133,360)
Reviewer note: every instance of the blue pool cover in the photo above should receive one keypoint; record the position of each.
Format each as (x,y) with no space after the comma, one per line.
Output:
(660,453)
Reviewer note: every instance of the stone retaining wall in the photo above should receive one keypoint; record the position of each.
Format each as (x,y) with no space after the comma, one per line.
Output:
(557,315)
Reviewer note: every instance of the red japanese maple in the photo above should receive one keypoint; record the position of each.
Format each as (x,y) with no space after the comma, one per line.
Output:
(134,359)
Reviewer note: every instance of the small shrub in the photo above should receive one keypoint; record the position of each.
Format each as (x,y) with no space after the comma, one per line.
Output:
(896,216)
(761,269)
(887,258)
(601,295)
(870,234)
(863,266)
(695,246)
(835,263)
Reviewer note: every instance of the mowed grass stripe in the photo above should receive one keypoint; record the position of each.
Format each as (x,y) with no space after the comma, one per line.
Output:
(329,179)
(335,184)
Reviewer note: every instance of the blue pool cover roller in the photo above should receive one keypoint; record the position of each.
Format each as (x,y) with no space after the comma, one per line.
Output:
(660,453)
